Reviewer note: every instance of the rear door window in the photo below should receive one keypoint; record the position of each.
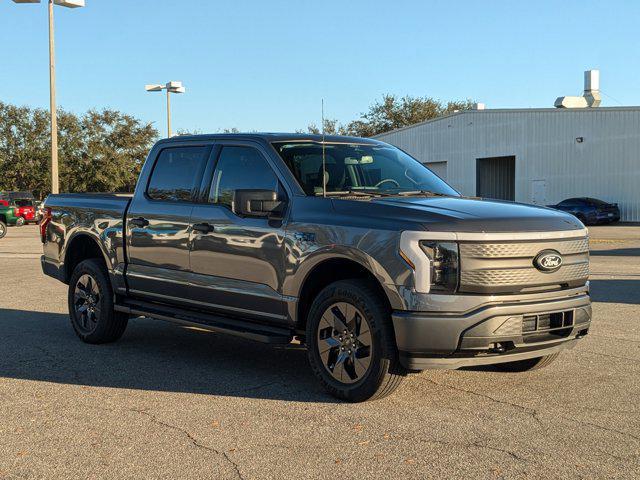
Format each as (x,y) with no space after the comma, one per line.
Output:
(176,173)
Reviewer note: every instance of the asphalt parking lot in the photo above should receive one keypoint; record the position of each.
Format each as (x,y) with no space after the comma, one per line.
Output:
(170,402)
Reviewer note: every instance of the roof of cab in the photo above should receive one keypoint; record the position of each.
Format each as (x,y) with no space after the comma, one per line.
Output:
(273,137)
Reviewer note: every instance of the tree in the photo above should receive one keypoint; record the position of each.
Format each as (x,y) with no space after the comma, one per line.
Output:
(331,127)
(98,151)
(107,152)
(24,148)
(393,112)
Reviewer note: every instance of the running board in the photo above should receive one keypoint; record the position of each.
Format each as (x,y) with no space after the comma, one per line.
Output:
(207,321)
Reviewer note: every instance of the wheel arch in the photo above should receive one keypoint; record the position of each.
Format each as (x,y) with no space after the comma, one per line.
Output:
(80,247)
(327,270)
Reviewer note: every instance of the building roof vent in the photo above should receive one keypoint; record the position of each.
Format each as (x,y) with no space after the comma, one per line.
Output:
(591,96)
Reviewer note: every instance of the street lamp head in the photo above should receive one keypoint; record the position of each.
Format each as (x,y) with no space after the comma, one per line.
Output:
(69,3)
(62,3)
(173,85)
(153,88)
(177,90)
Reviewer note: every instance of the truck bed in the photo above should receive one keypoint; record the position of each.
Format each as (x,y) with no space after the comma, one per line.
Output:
(95,215)
(102,201)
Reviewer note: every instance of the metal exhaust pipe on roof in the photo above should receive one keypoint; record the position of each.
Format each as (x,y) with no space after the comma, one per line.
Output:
(591,97)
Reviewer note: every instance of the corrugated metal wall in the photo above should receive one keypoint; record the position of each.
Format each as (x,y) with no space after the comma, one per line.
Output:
(605,165)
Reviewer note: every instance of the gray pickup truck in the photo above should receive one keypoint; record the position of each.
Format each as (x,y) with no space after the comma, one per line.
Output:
(347,244)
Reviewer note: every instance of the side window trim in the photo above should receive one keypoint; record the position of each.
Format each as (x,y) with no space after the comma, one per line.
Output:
(267,156)
(205,181)
(199,176)
(212,198)
(219,146)
(213,175)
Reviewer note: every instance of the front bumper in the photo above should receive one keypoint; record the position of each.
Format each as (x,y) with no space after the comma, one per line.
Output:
(497,332)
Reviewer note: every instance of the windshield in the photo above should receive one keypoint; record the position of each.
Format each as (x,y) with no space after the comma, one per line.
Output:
(359,168)
(23,203)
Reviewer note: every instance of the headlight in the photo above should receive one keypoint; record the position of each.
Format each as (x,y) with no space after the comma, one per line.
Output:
(435,262)
(444,265)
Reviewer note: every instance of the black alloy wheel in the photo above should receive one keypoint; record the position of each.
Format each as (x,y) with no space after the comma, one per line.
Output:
(344,342)
(350,341)
(91,304)
(86,302)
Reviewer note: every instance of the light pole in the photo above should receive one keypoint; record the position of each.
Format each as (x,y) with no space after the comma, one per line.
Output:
(52,85)
(171,87)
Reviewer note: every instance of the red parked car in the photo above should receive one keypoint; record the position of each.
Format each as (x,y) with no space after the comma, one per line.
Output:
(24,206)
(26,210)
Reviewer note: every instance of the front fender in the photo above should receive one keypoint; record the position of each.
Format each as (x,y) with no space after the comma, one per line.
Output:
(303,259)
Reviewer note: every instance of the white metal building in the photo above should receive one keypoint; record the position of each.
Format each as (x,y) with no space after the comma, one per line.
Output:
(539,156)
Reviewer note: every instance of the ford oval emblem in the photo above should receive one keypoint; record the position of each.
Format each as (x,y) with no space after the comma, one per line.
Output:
(548,261)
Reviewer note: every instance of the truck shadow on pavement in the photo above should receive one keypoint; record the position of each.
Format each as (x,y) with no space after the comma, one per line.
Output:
(154,355)
(616,252)
(615,290)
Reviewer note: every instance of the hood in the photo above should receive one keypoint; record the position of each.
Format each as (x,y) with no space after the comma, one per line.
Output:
(460,214)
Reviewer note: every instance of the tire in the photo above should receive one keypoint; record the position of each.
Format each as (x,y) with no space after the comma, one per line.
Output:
(20,221)
(526,365)
(90,287)
(369,367)
(3,229)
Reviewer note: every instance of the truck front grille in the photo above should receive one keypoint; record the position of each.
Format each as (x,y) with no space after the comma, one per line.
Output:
(508,267)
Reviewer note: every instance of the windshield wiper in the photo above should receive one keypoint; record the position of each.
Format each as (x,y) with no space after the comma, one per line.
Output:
(409,193)
(361,193)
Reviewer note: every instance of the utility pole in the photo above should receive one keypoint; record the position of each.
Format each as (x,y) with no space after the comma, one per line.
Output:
(168,113)
(55,186)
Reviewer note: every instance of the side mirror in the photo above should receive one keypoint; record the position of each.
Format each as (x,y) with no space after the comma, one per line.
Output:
(257,203)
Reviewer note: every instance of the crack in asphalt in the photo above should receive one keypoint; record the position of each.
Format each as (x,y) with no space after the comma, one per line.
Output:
(532,412)
(601,427)
(254,388)
(609,410)
(614,338)
(475,444)
(512,454)
(192,439)
(609,355)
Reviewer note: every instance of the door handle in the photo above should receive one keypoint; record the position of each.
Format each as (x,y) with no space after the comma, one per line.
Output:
(203,227)
(139,222)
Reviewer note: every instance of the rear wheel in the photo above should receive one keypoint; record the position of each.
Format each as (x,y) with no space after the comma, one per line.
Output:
(91,304)
(3,229)
(526,365)
(20,221)
(350,342)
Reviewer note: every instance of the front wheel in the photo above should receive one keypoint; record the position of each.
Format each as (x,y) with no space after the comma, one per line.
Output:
(91,304)
(526,365)
(350,342)
(3,229)
(20,221)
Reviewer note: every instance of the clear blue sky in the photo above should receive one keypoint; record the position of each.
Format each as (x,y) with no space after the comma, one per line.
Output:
(265,65)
